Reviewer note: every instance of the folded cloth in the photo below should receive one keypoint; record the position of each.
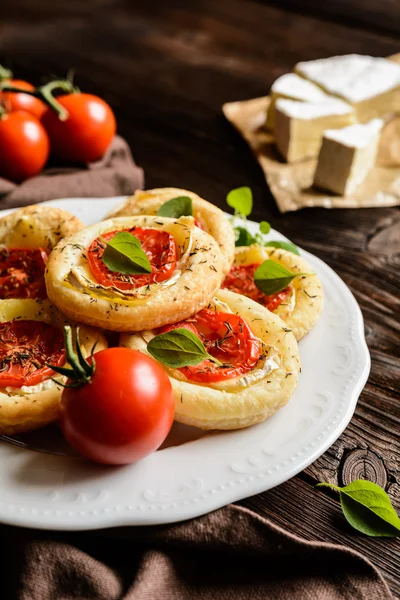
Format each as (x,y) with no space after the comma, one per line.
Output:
(230,554)
(116,174)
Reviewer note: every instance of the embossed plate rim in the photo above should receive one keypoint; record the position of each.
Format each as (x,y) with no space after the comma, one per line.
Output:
(186,481)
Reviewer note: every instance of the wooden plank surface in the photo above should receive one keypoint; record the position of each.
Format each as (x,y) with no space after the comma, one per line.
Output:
(166,68)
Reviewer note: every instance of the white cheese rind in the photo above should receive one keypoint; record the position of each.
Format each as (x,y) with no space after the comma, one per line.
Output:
(370,84)
(313,110)
(293,87)
(347,156)
(357,136)
(299,126)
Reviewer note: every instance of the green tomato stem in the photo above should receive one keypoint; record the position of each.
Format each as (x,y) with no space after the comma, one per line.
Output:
(5,73)
(45,93)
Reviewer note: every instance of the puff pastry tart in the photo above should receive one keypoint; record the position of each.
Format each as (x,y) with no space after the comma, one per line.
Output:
(27,236)
(31,335)
(299,305)
(207,216)
(260,364)
(186,271)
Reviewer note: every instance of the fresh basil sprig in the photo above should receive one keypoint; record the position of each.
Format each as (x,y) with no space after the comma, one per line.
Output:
(124,254)
(181,206)
(241,200)
(367,507)
(179,348)
(284,246)
(270,277)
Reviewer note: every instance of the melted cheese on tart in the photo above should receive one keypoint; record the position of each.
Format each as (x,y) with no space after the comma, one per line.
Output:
(245,400)
(302,308)
(268,361)
(197,276)
(211,218)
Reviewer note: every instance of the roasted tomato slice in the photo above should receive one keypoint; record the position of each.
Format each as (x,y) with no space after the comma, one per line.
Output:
(160,248)
(240,279)
(25,347)
(228,338)
(22,273)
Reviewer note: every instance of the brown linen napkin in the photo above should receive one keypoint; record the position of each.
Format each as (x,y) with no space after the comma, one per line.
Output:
(116,174)
(230,554)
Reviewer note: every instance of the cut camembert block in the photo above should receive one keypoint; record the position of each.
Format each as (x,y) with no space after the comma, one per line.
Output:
(299,126)
(293,87)
(346,157)
(370,84)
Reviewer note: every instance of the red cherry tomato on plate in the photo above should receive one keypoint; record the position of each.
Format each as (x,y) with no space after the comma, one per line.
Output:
(13,101)
(24,146)
(86,133)
(124,413)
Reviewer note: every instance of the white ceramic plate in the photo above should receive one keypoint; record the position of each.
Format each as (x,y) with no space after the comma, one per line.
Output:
(195,472)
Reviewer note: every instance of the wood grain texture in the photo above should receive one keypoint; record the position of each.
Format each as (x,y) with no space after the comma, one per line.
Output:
(166,68)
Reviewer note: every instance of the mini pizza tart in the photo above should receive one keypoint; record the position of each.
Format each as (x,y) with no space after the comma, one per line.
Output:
(299,304)
(31,337)
(186,271)
(207,216)
(259,371)
(27,236)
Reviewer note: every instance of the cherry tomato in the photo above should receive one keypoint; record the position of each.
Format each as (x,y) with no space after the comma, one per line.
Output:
(240,279)
(160,248)
(86,133)
(13,101)
(124,413)
(22,273)
(24,146)
(25,347)
(228,338)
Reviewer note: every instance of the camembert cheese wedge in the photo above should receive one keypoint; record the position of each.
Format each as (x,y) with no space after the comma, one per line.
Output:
(346,157)
(293,87)
(370,84)
(299,126)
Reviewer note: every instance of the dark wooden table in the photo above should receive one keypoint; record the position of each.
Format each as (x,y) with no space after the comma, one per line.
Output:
(166,68)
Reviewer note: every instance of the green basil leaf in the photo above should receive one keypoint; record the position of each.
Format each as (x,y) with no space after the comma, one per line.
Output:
(181,206)
(367,507)
(270,277)
(241,200)
(124,254)
(285,246)
(178,348)
(243,237)
(265,227)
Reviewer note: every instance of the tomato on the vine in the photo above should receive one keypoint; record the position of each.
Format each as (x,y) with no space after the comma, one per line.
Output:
(86,132)
(24,145)
(122,411)
(13,101)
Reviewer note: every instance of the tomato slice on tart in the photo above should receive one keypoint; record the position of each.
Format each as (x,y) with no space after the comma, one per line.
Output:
(240,279)
(25,348)
(22,273)
(228,338)
(160,248)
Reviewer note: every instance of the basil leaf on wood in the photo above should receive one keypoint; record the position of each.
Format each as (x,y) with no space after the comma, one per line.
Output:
(284,246)
(367,507)
(181,206)
(179,348)
(124,254)
(270,277)
(241,200)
